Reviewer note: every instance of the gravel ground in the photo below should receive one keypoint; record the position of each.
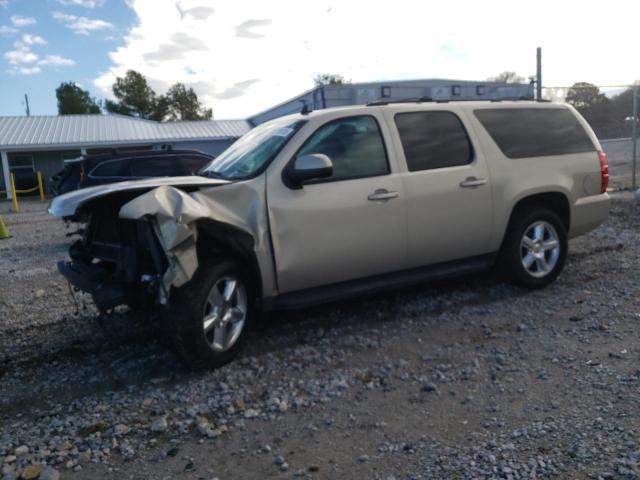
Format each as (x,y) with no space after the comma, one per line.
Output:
(470,378)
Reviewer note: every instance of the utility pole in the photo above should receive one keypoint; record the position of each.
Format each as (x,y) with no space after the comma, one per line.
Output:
(634,137)
(539,73)
(26,102)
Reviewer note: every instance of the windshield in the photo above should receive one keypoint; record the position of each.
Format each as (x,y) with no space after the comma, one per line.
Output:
(247,156)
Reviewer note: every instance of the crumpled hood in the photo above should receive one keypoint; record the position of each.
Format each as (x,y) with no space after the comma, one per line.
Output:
(66,205)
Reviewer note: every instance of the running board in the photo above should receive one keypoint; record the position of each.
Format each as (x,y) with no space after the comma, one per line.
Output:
(354,288)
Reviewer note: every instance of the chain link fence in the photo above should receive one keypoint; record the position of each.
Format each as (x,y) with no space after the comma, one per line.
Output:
(610,110)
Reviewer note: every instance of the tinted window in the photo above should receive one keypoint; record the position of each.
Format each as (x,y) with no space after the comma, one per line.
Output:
(353,144)
(113,168)
(535,132)
(193,163)
(433,140)
(165,166)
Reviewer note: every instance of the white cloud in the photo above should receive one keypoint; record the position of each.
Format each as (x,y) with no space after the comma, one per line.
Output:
(81,25)
(251,28)
(25,70)
(7,30)
(29,39)
(247,56)
(82,3)
(21,54)
(20,21)
(4,3)
(57,61)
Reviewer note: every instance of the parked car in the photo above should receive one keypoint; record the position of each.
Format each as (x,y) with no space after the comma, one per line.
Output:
(87,171)
(317,207)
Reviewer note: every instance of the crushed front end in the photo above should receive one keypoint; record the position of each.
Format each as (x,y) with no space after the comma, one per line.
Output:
(118,261)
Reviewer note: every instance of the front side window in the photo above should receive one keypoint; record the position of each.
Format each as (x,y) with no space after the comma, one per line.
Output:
(354,145)
(433,140)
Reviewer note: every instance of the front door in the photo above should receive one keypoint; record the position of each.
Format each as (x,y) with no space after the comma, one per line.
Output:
(349,226)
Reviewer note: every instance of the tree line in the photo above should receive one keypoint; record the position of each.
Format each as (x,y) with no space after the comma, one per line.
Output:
(135,98)
(600,110)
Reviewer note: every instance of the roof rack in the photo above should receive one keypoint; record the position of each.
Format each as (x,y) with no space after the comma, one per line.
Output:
(378,103)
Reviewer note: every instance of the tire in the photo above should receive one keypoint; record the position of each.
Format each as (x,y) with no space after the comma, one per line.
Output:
(189,305)
(541,227)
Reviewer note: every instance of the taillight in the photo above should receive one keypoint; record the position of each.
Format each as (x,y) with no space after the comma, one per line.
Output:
(604,171)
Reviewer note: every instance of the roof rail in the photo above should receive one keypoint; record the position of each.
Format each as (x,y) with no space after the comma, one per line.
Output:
(378,103)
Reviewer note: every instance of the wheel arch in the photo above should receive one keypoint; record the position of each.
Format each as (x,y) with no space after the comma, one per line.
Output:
(554,201)
(218,238)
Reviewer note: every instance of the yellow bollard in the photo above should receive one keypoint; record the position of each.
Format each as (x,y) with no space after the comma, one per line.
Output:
(14,195)
(4,232)
(40,187)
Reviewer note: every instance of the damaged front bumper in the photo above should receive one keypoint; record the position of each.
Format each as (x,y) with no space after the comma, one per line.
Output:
(105,294)
(117,262)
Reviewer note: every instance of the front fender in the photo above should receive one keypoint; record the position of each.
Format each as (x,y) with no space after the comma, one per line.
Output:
(175,216)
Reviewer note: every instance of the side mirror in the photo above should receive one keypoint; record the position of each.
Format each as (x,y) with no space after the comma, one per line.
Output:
(309,167)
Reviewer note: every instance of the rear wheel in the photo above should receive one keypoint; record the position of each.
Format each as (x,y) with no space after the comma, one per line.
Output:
(209,316)
(535,247)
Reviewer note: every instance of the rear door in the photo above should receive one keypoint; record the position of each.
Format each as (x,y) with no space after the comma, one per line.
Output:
(446,183)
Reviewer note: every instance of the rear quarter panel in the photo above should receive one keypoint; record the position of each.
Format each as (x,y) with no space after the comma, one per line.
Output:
(576,176)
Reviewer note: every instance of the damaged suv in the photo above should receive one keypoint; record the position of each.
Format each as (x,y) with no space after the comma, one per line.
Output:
(318,206)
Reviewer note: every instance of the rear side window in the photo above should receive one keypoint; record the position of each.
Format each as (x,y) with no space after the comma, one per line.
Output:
(535,132)
(193,163)
(165,166)
(433,140)
(353,144)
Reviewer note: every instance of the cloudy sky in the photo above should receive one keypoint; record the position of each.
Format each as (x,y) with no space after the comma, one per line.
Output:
(244,56)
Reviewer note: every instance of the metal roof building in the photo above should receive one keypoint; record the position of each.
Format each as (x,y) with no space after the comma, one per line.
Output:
(341,95)
(42,143)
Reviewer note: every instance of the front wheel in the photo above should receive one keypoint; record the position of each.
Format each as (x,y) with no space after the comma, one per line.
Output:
(208,317)
(535,248)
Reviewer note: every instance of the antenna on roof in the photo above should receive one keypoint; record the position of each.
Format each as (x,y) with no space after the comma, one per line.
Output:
(26,102)
(305,108)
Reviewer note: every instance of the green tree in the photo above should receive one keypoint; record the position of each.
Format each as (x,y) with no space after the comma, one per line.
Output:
(182,103)
(507,77)
(594,106)
(135,97)
(584,95)
(74,100)
(329,79)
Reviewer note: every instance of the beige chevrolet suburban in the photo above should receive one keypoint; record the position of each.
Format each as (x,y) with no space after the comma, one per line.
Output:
(323,205)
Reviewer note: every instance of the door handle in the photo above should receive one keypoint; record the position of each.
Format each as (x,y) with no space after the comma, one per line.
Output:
(382,195)
(472,182)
